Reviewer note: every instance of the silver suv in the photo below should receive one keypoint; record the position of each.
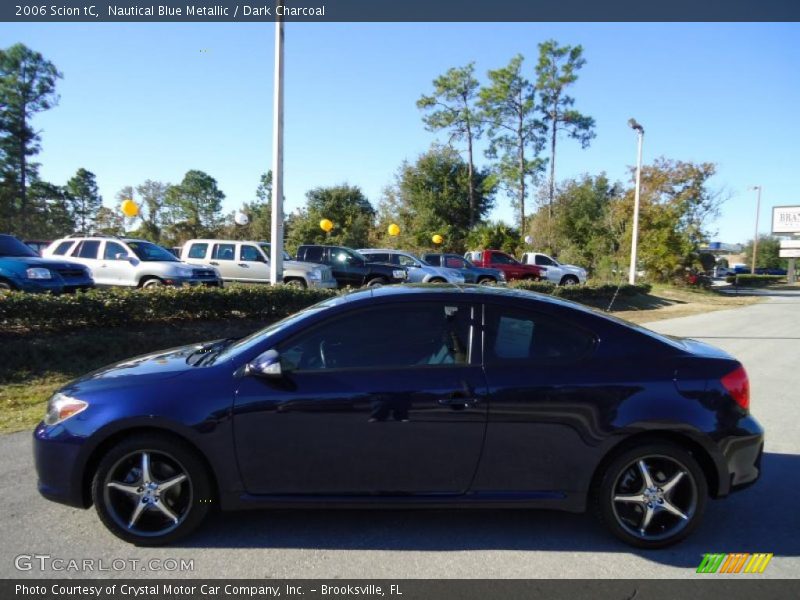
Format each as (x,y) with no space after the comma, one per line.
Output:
(130,262)
(418,270)
(248,261)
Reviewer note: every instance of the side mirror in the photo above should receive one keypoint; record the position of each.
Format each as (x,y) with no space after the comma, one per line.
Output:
(266,365)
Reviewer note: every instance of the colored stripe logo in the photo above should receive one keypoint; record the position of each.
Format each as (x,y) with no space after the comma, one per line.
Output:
(736,562)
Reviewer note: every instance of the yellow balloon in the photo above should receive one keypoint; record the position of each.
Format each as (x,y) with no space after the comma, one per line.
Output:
(394,229)
(437,239)
(326,225)
(129,208)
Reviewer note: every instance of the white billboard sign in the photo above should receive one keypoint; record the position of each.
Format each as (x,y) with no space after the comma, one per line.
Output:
(790,244)
(789,253)
(786,219)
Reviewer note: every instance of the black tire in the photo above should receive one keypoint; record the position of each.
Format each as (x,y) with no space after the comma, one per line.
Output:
(486,281)
(623,479)
(437,280)
(377,282)
(187,500)
(569,280)
(296,283)
(5,287)
(151,283)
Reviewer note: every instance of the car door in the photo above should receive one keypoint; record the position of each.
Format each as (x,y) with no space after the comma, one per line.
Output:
(348,269)
(115,265)
(253,265)
(387,400)
(86,252)
(223,257)
(552,400)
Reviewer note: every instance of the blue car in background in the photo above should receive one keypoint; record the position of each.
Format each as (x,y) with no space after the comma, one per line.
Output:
(23,270)
(471,273)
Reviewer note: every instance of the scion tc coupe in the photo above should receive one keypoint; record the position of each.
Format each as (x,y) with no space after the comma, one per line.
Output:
(423,396)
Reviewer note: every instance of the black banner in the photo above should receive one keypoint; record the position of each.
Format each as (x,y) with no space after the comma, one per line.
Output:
(399,10)
(740,588)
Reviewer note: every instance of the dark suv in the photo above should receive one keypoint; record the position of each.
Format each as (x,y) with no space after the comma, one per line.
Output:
(22,269)
(351,268)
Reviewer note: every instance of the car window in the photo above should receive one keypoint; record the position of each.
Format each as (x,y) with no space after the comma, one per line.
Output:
(86,249)
(250,254)
(224,252)
(432,259)
(519,336)
(543,260)
(198,250)
(62,248)
(347,256)
(112,249)
(502,259)
(416,334)
(313,254)
(453,262)
(149,252)
(405,261)
(377,256)
(268,251)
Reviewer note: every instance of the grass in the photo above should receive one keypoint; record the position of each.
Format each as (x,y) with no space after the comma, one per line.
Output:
(34,364)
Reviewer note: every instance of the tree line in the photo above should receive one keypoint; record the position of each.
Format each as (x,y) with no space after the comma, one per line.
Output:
(521,112)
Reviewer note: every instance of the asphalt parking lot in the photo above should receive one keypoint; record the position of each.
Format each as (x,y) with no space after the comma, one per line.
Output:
(463,544)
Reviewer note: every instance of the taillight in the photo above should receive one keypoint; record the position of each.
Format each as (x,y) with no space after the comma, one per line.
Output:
(738,387)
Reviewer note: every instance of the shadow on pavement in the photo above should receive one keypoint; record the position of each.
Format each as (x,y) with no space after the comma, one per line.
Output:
(763,518)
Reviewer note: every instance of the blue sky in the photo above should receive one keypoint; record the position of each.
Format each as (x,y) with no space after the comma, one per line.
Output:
(153,100)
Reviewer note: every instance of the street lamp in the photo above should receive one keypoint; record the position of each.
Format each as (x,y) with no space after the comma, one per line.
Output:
(276,226)
(635,239)
(757,188)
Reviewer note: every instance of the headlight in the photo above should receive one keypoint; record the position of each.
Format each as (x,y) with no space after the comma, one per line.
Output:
(38,273)
(184,272)
(61,407)
(316,274)
(399,274)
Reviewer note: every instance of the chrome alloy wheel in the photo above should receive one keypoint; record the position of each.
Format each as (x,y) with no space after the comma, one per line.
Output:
(148,493)
(654,497)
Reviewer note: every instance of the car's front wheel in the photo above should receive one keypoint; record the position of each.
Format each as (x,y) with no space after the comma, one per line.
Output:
(653,495)
(151,490)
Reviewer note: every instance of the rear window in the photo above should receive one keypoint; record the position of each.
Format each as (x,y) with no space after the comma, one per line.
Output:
(198,250)
(312,254)
(224,252)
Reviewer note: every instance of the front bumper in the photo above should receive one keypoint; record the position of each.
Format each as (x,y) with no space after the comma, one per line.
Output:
(57,457)
(54,286)
(194,281)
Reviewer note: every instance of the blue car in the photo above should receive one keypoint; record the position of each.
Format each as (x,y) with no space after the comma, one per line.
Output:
(23,270)
(415,395)
(470,272)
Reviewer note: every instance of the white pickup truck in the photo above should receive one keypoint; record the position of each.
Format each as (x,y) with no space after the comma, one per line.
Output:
(556,272)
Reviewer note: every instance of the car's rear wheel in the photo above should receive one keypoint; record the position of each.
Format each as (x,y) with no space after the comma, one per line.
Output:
(653,495)
(569,280)
(296,283)
(437,280)
(377,282)
(486,281)
(5,287)
(151,490)
(152,283)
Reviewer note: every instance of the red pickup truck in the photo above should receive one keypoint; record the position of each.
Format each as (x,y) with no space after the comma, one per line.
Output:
(513,269)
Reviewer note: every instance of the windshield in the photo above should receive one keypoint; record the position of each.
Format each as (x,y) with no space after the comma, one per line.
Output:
(266,248)
(151,252)
(259,336)
(11,246)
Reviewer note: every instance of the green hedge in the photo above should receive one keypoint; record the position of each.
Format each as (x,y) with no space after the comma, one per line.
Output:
(747,280)
(120,306)
(583,293)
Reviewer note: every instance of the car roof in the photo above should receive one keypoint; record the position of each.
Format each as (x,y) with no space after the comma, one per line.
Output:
(223,241)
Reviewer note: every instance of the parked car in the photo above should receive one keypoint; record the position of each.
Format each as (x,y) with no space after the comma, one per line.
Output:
(510,266)
(470,272)
(558,273)
(418,270)
(130,262)
(22,269)
(350,268)
(37,245)
(249,261)
(438,396)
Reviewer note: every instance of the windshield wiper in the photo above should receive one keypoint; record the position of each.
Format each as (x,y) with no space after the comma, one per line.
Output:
(203,351)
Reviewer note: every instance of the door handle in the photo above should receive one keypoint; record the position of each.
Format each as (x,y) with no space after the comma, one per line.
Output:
(458,402)
(215,263)
(244,265)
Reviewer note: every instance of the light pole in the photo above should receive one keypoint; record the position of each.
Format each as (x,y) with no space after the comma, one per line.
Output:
(757,188)
(276,229)
(635,238)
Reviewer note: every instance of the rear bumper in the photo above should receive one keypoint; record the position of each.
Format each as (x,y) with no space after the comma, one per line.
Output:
(742,455)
